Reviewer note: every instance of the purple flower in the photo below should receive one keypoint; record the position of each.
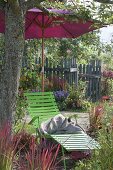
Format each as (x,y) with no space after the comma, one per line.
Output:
(60,95)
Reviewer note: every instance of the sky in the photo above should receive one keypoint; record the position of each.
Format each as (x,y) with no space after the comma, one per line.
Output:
(106,34)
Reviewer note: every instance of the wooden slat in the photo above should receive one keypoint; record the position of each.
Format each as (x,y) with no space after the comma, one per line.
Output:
(42,112)
(38,93)
(40,99)
(76,141)
(42,115)
(42,108)
(42,104)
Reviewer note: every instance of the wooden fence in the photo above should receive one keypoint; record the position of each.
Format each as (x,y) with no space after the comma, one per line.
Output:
(66,69)
(71,72)
(91,73)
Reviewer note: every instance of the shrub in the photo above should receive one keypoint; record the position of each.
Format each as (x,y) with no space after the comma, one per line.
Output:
(96,115)
(24,125)
(76,97)
(101,158)
(25,152)
(30,79)
(24,140)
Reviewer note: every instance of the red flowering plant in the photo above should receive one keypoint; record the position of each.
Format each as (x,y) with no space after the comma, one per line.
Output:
(24,151)
(41,156)
(8,148)
(96,115)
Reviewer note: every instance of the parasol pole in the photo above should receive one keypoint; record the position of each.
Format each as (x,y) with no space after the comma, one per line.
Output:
(43,61)
(43,57)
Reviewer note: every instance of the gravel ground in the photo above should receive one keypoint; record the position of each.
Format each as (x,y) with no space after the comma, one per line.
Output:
(82,119)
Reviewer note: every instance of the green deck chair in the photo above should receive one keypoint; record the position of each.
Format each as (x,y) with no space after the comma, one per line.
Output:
(42,105)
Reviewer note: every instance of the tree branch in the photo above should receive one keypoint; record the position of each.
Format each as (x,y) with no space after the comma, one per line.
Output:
(33,3)
(105,1)
(29,4)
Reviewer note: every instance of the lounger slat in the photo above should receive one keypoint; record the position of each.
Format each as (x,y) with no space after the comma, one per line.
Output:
(76,141)
(38,93)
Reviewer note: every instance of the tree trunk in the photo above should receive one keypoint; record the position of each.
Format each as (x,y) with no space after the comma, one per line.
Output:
(10,74)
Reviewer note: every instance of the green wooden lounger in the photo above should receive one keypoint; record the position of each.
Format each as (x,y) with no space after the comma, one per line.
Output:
(43,106)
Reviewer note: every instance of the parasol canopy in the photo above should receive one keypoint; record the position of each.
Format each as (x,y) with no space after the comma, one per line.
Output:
(39,24)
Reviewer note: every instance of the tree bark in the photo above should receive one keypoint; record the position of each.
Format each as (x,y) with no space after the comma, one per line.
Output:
(10,74)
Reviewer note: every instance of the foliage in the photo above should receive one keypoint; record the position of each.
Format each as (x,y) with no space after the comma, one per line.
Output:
(24,140)
(7,148)
(102,158)
(42,156)
(104,13)
(55,83)
(100,114)
(20,107)
(107,83)
(96,115)
(82,48)
(73,98)
(25,126)
(30,80)
(105,1)
(107,87)
(107,74)
(79,9)
(76,98)
(24,151)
